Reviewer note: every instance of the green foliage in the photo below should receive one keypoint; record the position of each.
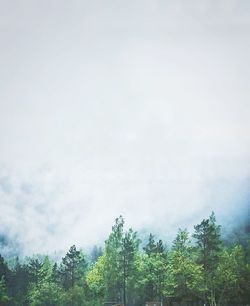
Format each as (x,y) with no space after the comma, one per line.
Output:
(19,279)
(4,299)
(209,246)
(153,247)
(75,296)
(44,291)
(153,271)
(34,266)
(208,273)
(72,268)
(96,278)
(152,267)
(47,293)
(4,270)
(120,249)
(207,235)
(182,243)
(232,276)
(185,277)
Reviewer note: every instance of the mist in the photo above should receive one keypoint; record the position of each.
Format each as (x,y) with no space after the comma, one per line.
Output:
(136,108)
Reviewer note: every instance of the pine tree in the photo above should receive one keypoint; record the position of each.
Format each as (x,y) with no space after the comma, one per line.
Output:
(120,250)
(19,282)
(151,246)
(34,266)
(182,242)
(185,281)
(113,248)
(154,267)
(207,235)
(72,268)
(130,244)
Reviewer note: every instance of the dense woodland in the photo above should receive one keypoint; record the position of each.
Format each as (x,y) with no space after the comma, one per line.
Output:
(197,269)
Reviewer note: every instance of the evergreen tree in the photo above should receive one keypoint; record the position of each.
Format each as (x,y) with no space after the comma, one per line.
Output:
(182,242)
(19,283)
(72,268)
(185,278)
(232,277)
(34,266)
(151,246)
(153,269)
(160,249)
(44,291)
(130,244)
(207,235)
(207,273)
(96,279)
(113,249)
(120,250)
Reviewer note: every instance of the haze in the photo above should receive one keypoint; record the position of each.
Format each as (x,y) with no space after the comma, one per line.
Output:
(139,108)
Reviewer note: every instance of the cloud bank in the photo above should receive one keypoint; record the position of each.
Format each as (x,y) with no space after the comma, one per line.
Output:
(139,108)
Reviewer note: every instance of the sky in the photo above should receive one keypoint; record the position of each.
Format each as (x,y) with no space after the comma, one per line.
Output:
(133,108)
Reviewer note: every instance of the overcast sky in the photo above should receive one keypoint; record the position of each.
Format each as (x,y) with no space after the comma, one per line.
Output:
(139,108)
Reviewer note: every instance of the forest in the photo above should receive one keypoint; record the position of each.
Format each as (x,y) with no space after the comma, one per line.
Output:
(199,268)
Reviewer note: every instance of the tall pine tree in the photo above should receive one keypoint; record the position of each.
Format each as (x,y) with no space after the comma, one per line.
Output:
(207,236)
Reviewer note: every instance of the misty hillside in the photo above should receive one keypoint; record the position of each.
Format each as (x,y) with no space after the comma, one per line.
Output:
(138,109)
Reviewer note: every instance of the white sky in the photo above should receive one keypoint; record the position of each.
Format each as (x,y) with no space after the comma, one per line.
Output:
(139,108)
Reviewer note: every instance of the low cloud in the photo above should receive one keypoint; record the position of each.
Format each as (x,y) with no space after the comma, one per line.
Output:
(140,110)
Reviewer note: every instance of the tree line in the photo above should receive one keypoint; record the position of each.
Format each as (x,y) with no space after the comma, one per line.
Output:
(197,269)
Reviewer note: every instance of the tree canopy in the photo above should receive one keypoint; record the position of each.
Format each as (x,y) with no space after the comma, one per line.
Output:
(198,268)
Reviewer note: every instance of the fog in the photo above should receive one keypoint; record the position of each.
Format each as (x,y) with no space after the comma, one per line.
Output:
(133,108)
